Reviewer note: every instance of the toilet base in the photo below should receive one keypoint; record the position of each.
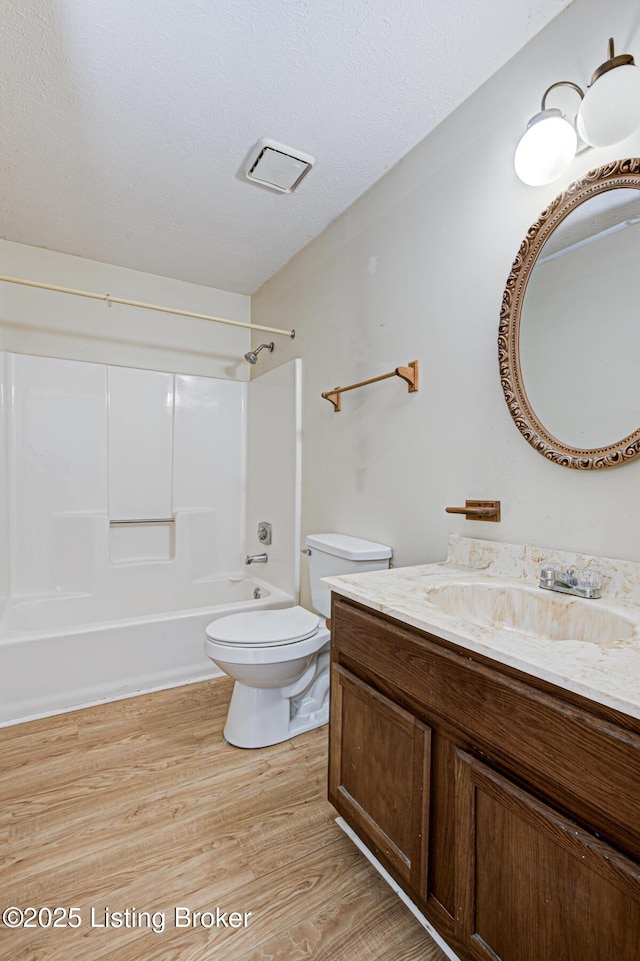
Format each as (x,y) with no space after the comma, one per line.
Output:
(259,717)
(299,725)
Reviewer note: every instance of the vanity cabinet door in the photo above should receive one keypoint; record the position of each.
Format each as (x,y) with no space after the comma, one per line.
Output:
(533,886)
(379,776)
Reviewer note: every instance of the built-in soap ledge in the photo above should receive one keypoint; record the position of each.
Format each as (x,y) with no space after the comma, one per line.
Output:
(141,539)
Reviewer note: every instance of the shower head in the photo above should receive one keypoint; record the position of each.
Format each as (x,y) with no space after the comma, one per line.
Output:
(252,355)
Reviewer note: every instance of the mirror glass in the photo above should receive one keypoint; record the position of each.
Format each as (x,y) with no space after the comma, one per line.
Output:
(569,338)
(580,329)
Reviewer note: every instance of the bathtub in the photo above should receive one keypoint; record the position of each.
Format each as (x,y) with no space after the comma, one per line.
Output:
(65,651)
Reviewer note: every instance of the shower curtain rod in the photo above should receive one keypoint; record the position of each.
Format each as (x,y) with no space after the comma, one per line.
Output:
(138,303)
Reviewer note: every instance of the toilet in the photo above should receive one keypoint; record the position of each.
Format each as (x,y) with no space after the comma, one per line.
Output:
(279,659)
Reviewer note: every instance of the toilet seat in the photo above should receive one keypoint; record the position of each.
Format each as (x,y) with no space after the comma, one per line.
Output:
(264,628)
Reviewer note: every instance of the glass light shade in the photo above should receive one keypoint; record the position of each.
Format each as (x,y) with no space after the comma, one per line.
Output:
(610,111)
(546,149)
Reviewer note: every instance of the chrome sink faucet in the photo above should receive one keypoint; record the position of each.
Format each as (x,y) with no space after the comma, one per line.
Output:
(586,583)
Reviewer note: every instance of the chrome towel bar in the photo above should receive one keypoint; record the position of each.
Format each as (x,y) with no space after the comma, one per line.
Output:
(142,520)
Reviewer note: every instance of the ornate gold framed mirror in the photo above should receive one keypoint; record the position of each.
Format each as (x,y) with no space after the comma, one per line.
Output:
(569,336)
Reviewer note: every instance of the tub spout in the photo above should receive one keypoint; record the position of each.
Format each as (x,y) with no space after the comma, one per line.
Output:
(256,559)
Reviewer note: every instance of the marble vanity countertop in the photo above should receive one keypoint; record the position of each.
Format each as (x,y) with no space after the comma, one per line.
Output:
(607,672)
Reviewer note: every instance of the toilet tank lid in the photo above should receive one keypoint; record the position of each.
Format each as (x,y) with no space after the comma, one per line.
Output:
(351,548)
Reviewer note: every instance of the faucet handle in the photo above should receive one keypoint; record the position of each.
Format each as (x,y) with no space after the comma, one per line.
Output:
(590,578)
(547,573)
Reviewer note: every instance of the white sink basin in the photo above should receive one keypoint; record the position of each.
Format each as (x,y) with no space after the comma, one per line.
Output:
(530,610)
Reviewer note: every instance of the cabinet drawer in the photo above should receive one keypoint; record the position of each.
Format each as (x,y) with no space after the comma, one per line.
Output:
(564,753)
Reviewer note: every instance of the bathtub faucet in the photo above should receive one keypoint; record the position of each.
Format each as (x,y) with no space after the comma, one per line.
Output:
(256,559)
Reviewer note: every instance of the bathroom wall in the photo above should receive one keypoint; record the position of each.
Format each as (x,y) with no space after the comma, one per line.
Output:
(416,269)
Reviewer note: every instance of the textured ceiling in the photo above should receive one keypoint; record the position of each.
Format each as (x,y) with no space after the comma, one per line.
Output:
(124,125)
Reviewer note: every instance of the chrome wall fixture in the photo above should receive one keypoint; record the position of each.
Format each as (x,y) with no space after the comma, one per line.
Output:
(265,532)
(252,355)
(609,112)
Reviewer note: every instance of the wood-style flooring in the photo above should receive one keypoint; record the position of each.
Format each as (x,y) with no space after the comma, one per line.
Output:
(139,806)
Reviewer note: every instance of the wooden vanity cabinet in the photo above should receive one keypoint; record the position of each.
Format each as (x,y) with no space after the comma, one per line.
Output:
(507,809)
(396,746)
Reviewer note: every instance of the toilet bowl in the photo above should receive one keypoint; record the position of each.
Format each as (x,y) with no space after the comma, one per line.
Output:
(279,659)
(273,657)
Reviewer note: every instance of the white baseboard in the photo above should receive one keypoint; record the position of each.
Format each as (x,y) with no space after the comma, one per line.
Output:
(450,953)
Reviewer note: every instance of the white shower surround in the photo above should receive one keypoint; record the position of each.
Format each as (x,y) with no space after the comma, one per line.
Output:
(95,611)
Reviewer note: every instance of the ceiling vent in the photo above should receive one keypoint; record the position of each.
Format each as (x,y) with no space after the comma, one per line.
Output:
(272,164)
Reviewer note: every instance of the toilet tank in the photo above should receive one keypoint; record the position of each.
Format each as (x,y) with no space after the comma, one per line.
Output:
(331,554)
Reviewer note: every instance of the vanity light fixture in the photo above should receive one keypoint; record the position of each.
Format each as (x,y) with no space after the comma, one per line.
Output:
(609,112)
(549,143)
